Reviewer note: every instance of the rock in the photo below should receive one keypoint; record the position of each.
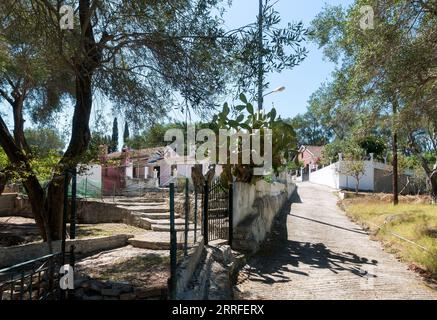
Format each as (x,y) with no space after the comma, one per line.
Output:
(94,297)
(111,292)
(144,293)
(79,281)
(123,287)
(79,293)
(223,254)
(94,285)
(219,283)
(128,296)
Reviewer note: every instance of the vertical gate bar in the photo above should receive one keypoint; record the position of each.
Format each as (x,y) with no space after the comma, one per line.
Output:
(187,199)
(73,218)
(22,285)
(73,205)
(38,293)
(64,229)
(12,287)
(231,213)
(195,215)
(173,246)
(30,285)
(64,217)
(205,213)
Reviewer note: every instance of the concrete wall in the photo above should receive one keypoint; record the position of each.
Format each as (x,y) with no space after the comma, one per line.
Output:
(12,205)
(377,177)
(7,203)
(255,207)
(93,212)
(328,176)
(16,254)
(366,181)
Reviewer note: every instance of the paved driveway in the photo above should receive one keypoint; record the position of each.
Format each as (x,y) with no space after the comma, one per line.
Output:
(316,252)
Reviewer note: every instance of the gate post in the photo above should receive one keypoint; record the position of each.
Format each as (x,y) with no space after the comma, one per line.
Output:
(73,220)
(187,212)
(173,246)
(231,213)
(205,213)
(63,294)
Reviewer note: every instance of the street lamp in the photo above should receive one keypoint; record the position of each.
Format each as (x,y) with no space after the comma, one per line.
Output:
(280,89)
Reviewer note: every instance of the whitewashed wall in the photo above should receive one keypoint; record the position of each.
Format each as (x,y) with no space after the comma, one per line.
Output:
(328,176)
(366,180)
(92,172)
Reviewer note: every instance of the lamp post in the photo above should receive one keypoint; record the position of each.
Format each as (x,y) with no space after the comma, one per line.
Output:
(260,57)
(280,89)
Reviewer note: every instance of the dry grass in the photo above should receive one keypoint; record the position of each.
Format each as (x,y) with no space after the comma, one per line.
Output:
(414,221)
(106,229)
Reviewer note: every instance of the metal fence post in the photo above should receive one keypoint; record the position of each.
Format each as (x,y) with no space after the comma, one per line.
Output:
(195,215)
(64,225)
(231,213)
(186,209)
(173,246)
(73,220)
(205,213)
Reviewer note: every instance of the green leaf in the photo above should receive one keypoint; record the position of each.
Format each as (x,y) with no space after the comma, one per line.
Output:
(234,124)
(249,108)
(226,109)
(243,98)
(245,126)
(240,118)
(273,114)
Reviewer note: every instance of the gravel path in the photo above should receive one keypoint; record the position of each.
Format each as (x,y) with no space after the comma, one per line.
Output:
(316,252)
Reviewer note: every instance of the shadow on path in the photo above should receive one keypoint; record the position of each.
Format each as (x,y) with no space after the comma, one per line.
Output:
(280,257)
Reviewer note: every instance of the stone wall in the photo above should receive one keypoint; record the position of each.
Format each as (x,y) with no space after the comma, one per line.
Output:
(13,205)
(93,212)
(255,207)
(16,254)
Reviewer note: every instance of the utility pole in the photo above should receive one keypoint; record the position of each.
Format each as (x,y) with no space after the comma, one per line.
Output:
(260,57)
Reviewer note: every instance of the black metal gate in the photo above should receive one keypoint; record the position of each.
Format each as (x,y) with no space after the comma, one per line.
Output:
(217,212)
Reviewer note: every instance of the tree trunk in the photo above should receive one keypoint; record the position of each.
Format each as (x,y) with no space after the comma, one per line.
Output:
(30,181)
(430,174)
(433,183)
(85,65)
(395,155)
(80,138)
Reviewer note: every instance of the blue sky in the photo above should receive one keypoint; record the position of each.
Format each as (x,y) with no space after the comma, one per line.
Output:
(300,82)
(303,80)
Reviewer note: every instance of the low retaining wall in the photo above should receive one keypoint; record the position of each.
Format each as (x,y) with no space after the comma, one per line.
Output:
(16,254)
(13,205)
(255,207)
(187,268)
(92,212)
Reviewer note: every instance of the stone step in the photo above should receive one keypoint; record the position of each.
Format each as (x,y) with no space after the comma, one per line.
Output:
(147,223)
(136,204)
(156,215)
(159,240)
(164,221)
(140,200)
(166,228)
(146,209)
